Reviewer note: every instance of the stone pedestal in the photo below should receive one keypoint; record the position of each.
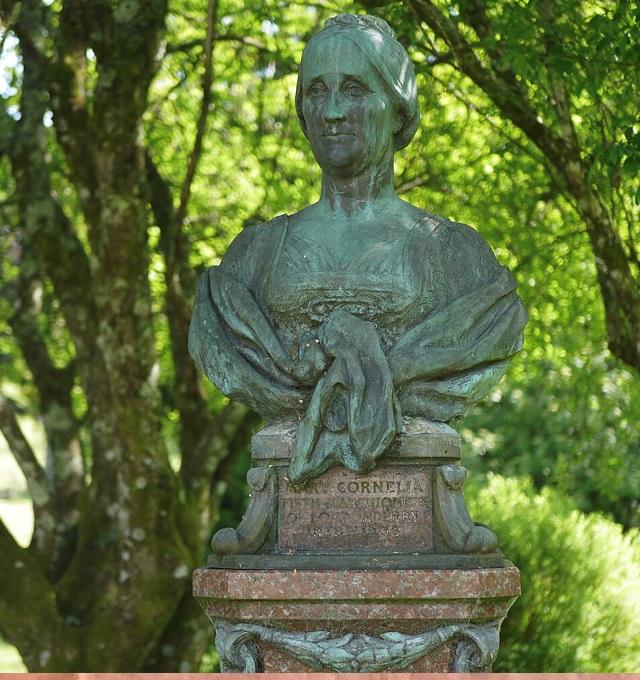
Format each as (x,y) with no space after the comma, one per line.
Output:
(420,620)
(358,573)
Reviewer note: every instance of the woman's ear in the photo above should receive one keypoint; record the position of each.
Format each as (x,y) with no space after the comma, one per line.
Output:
(399,121)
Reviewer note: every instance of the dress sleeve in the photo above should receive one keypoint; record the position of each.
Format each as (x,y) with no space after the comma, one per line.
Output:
(231,339)
(460,350)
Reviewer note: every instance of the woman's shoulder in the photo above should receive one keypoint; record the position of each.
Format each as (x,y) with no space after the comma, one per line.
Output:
(255,233)
(469,249)
(449,233)
(442,228)
(457,250)
(251,246)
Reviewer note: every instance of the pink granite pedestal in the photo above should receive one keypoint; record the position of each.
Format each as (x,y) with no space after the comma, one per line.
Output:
(466,606)
(358,573)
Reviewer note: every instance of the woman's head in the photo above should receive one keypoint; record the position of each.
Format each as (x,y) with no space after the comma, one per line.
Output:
(376,44)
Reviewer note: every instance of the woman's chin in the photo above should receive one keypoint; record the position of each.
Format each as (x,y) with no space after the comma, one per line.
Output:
(339,161)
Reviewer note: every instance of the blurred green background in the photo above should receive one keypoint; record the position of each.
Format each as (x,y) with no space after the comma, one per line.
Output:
(529,133)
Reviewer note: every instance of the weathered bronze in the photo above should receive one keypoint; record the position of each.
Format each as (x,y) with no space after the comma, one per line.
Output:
(359,328)
(476,648)
(360,308)
(410,508)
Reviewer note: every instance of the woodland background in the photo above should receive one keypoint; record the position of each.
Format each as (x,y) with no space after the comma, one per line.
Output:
(137,138)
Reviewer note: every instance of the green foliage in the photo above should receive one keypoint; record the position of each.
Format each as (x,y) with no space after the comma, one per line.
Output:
(567,413)
(570,425)
(210,661)
(579,606)
(236,496)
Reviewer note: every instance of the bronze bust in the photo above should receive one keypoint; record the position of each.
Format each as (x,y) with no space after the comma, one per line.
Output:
(360,309)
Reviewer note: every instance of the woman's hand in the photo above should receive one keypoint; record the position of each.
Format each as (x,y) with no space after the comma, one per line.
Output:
(344,333)
(312,361)
(354,401)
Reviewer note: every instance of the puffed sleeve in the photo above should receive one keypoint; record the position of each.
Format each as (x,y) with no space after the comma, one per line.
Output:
(231,338)
(454,357)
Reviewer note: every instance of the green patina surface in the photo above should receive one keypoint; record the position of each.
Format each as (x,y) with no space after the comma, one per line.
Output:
(360,308)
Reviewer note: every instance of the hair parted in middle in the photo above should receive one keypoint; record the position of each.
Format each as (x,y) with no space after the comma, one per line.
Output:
(377,41)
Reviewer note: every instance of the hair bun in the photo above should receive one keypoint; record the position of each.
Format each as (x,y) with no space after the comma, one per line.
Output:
(360,20)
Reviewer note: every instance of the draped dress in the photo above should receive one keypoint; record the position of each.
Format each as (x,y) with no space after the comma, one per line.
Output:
(417,321)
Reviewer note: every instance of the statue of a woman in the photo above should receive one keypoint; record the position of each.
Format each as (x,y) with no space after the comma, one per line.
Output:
(361,308)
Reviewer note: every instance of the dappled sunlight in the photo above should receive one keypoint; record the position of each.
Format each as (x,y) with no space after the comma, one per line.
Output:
(528,133)
(17,515)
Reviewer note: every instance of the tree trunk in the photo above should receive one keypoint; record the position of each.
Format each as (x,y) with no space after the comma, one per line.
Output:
(105,585)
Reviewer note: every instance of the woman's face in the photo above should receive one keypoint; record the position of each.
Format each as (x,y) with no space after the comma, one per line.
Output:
(349,117)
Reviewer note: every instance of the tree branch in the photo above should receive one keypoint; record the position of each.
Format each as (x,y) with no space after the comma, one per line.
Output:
(198,430)
(217,37)
(46,225)
(54,519)
(196,152)
(531,151)
(415,182)
(509,98)
(475,15)
(66,80)
(226,460)
(214,444)
(64,467)
(48,379)
(620,289)
(29,618)
(183,47)
(244,39)
(560,99)
(24,455)
(195,418)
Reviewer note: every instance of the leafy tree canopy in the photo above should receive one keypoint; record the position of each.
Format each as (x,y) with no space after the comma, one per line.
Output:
(138,138)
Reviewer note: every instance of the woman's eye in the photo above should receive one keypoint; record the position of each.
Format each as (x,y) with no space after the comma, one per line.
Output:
(354,90)
(316,90)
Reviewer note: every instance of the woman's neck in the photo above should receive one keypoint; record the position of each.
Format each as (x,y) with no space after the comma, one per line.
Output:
(368,193)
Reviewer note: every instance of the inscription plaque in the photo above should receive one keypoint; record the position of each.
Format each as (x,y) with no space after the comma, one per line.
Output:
(387,510)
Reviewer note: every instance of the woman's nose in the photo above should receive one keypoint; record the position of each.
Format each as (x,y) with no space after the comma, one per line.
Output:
(334,109)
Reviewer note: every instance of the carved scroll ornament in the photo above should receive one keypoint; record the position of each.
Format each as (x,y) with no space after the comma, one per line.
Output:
(352,653)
